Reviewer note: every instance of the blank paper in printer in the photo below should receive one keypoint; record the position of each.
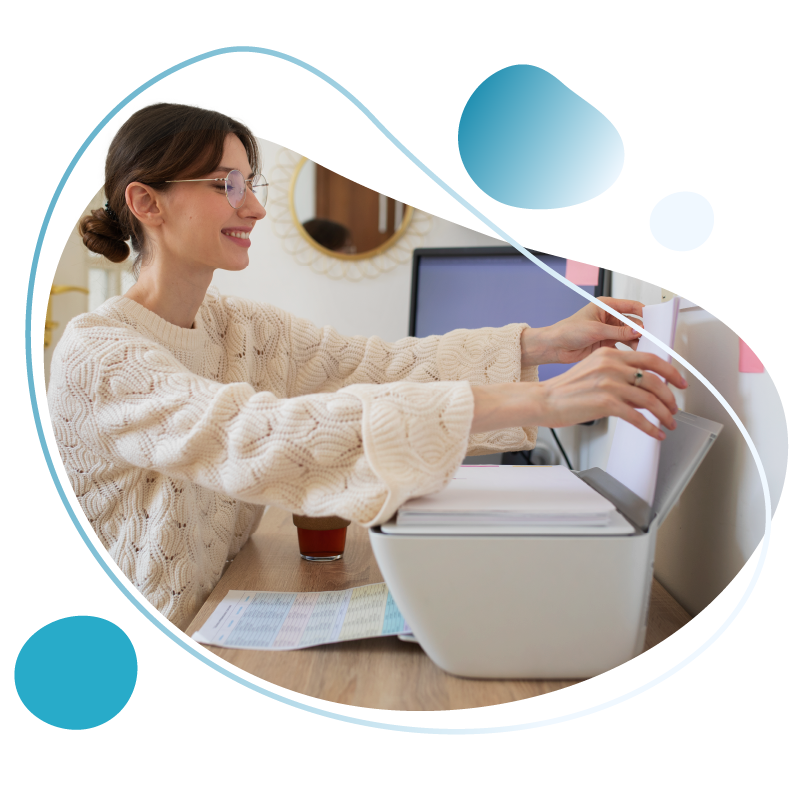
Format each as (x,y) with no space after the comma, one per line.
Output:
(488,494)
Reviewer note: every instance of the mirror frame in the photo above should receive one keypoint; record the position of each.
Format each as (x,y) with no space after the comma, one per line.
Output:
(323,262)
(408,213)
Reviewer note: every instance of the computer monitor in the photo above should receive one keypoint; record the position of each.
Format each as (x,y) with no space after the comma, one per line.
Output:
(476,287)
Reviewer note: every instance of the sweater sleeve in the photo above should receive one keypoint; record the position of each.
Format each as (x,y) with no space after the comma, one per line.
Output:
(322,360)
(357,453)
(481,356)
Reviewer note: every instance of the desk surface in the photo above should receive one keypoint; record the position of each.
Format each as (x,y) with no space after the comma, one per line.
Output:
(375,673)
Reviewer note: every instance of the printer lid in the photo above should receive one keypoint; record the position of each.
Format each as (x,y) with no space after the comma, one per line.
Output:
(682,452)
(680,455)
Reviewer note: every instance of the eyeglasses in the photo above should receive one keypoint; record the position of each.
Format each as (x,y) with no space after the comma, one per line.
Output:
(236,186)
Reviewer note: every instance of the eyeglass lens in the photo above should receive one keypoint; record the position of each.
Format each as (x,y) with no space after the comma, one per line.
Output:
(235,188)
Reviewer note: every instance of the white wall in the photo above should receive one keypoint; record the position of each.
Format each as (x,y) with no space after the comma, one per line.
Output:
(305,192)
(719,520)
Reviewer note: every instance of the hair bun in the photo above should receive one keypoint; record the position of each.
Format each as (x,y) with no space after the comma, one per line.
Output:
(102,233)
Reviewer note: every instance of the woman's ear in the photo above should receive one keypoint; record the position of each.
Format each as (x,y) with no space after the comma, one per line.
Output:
(145,204)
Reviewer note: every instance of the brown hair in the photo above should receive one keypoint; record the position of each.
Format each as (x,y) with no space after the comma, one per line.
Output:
(161,142)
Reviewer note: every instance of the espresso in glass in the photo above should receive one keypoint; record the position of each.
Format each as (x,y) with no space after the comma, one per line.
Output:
(321,538)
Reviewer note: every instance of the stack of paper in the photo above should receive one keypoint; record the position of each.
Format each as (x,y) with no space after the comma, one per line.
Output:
(634,456)
(507,495)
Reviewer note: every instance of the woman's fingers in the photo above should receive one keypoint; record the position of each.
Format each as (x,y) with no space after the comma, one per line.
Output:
(651,394)
(609,334)
(623,306)
(627,413)
(659,388)
(642,398)
(603,384)
(655,364)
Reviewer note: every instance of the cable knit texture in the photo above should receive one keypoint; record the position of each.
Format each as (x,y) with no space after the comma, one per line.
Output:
(174,439)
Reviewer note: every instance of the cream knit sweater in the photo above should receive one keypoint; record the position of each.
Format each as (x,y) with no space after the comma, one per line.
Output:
(174,439)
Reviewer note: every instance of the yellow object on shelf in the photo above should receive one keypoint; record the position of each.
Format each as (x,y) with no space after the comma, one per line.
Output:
(50,323)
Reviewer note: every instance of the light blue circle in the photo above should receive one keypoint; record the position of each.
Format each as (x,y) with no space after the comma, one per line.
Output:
(137,600)
(76,673)
(682,221)
(530,142)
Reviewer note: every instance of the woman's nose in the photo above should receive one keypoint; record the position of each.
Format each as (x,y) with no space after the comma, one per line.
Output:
(252,208)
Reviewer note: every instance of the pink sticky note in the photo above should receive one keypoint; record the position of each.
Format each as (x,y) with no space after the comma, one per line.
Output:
(748,360)
(581,274)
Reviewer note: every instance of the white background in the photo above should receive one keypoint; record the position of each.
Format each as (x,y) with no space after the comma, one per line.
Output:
(704,97)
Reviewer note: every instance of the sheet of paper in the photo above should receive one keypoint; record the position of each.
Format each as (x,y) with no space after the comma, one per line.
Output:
(510,494)
(634,456)
(293,620)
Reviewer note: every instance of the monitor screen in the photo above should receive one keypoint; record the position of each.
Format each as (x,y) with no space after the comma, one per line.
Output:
(476,288)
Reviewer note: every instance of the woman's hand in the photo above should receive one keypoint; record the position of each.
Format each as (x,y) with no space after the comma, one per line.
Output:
(574,338)
(602,385)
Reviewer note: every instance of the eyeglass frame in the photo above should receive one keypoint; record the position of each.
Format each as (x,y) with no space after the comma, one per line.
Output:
(246,180)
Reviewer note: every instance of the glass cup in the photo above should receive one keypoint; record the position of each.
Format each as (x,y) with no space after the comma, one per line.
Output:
(321,538)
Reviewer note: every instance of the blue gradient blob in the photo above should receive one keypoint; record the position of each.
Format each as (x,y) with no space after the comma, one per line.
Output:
(529,141)
(76,673)
(682,221)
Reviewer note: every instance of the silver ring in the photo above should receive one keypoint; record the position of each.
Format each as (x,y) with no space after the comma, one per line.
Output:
(638,376)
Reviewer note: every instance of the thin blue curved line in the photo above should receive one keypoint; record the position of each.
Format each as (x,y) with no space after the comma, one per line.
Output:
(158,623)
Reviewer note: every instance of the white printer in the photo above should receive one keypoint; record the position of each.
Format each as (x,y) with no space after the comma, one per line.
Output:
(540,601)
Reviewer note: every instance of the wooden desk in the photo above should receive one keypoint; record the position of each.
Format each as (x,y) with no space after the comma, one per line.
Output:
(375,673)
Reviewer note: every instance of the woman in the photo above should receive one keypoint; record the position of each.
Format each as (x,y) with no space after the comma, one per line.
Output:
(180,414)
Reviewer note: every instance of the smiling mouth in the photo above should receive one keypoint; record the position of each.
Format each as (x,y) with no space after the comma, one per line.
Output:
(238,234)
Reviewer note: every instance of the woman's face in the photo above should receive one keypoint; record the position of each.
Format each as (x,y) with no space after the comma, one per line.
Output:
(201,229)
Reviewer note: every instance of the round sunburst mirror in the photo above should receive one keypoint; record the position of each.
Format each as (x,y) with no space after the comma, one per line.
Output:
(337,226)
(342,217)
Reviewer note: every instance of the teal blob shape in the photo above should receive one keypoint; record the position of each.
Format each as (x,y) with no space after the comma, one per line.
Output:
(682,221)
(529,141)
(76,673)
